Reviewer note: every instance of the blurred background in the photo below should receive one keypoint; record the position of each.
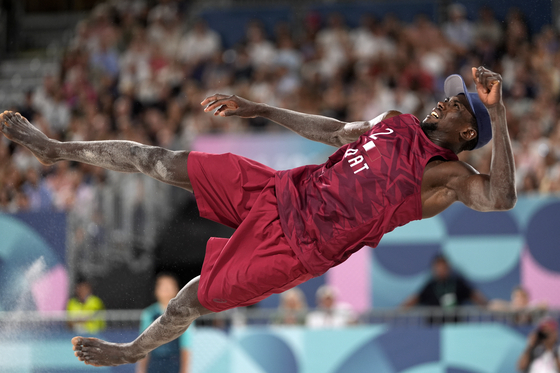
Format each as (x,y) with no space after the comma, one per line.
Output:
(84,250)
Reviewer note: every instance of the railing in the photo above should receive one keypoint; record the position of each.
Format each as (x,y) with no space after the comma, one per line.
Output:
(264,316)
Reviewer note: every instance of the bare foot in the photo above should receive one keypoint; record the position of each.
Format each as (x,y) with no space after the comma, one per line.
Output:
(99,353)
(18,129)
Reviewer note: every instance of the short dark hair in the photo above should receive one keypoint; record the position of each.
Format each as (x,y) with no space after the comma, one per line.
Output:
(471,144)
(439,258)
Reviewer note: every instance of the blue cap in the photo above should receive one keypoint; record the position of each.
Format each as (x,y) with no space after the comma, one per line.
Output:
(454,84)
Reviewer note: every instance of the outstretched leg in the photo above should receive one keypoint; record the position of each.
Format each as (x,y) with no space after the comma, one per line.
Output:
(180,313)
(124,156)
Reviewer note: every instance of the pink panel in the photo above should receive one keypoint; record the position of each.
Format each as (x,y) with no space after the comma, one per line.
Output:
(542,284)
(352,279)
(50,292)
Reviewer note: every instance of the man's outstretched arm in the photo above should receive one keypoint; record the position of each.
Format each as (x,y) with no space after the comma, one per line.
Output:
(495,191)
(327,130)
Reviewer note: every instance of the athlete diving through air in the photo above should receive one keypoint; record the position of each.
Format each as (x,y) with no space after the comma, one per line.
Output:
(296,224)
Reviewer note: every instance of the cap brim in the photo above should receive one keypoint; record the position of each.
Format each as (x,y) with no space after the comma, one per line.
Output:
(454,84)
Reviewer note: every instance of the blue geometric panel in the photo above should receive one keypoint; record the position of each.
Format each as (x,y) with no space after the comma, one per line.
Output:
(406,260)
(484,258)
(492,344)
(425,342)
(270,352)
(501,287)
(327,350)
(366,359)
(390,290)
(543,236)
(465,221)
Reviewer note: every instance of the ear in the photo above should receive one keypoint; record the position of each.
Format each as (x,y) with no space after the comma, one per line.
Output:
(468,134)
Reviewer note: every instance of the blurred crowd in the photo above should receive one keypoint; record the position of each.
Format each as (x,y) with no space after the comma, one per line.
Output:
(139,73)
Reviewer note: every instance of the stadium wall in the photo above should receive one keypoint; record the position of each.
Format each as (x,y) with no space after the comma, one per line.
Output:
(463,348)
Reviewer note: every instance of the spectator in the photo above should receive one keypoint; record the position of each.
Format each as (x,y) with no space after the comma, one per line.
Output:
(292,308)
(459,30)
(329,313)
(84,310)
(334,46)
(40,197)
(369,41)
(105,60)
(542,352)
(487,28)
(445,289)
(199,44)
(175,355)
(519,306)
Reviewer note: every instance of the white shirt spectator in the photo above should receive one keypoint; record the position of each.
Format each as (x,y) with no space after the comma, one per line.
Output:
(340,316)
(545,362)
(329,313)
(199,45)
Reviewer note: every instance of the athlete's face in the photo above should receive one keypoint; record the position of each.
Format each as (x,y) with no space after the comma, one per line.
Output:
(450,116)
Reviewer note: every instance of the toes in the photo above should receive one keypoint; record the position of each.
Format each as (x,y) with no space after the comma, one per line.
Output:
(77,341)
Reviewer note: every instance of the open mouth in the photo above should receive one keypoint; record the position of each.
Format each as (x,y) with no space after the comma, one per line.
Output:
(434,114)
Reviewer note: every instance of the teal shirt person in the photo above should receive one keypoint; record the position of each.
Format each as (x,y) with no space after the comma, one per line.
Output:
(165,358)
(172,357)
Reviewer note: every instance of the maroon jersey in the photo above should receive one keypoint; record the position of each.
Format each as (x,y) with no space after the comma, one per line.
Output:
(364,190)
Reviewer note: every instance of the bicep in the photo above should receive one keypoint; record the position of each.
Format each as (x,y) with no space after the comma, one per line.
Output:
(473,191)
(469,186)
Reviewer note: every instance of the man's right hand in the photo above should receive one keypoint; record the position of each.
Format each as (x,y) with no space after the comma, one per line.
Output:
(226,106)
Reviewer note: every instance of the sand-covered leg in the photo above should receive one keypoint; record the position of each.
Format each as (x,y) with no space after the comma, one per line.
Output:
(117,155)
(180,313)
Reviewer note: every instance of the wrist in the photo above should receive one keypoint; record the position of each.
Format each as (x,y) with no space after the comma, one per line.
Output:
(262,110)
(498,109)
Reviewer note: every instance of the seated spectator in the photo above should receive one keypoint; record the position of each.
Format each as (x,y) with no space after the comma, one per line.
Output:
(39,195)
(445,289)
(519,305)
(199,44)
(488,27)
(84,310)
(174,356)
(459,30)
(542,352)
(330,313)
(292,308)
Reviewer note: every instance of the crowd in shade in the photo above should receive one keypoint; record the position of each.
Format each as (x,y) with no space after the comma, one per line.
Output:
(139,73)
